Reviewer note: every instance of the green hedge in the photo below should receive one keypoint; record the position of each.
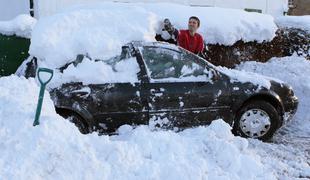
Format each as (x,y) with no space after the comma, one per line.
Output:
(13,51)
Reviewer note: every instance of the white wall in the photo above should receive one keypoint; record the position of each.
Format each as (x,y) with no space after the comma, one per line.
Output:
(273,7)
(9,9)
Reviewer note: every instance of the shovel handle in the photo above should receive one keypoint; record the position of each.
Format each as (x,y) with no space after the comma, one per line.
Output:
(41,95)
(50,71)
(39,106)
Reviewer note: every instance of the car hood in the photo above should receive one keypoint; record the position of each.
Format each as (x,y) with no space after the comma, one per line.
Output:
(261,81)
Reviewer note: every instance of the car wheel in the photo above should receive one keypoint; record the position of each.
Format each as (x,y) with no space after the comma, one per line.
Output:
(257,119)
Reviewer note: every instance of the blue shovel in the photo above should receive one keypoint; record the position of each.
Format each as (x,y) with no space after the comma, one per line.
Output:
(48,75)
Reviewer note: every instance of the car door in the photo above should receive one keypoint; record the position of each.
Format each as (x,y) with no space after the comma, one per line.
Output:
(120,102)
(182,90)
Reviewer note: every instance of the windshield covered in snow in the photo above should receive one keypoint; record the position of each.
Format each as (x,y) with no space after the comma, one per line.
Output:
(167,64)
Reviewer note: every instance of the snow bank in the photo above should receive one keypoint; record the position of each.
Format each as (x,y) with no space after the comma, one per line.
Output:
(302,22)
(56,150)
(21,26)
(100,29)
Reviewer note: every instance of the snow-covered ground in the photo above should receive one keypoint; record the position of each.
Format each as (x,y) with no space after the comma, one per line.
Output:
(56,150)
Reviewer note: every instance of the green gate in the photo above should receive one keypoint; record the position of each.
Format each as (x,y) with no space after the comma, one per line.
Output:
(13,51)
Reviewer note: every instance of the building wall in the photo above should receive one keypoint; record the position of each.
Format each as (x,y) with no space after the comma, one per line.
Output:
(273,7)
(300,7)
(9,9)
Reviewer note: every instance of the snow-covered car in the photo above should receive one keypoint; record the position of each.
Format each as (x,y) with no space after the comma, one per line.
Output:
(168,87)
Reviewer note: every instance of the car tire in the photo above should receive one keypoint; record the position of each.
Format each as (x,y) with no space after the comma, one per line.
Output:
(257,119)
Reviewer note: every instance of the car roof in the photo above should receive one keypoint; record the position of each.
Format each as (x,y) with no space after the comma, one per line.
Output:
(137,44)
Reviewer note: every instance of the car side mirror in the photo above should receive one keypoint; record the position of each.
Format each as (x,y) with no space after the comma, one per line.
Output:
(211,74)
(215,75)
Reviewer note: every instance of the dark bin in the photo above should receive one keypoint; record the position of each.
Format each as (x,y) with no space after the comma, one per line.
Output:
(13,51)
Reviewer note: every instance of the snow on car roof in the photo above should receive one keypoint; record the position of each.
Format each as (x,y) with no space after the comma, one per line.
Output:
(154,43)
(98,72)
(100,29)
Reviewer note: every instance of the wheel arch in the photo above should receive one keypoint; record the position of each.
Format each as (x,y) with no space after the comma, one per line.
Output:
(270,97)
(87,118)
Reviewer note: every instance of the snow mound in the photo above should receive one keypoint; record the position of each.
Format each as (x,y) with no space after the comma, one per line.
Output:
(302,22)
(21,26)
(100,29)
(56,150)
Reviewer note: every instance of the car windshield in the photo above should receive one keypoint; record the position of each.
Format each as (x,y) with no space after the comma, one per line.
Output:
(174,64)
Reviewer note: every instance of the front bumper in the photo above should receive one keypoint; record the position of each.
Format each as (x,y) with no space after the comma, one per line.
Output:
(290,109)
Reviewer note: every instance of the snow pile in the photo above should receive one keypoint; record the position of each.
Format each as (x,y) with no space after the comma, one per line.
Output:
(100,29)
(56,150)
(294,71)
(302,22)
(96,72)
(21,26)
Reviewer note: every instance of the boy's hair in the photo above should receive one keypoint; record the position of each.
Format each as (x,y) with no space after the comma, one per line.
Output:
(195,18)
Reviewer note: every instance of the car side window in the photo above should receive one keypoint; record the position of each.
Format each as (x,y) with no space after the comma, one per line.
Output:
(165,64)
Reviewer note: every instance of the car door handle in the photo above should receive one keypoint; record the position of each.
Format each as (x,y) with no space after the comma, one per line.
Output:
(79,93)
(156,92)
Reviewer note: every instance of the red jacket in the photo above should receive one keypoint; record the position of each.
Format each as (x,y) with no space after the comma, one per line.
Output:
(193,44)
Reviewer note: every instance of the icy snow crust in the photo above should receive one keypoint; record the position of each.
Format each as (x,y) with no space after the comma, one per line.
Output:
(56,150)
(100,29)
(21,26)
